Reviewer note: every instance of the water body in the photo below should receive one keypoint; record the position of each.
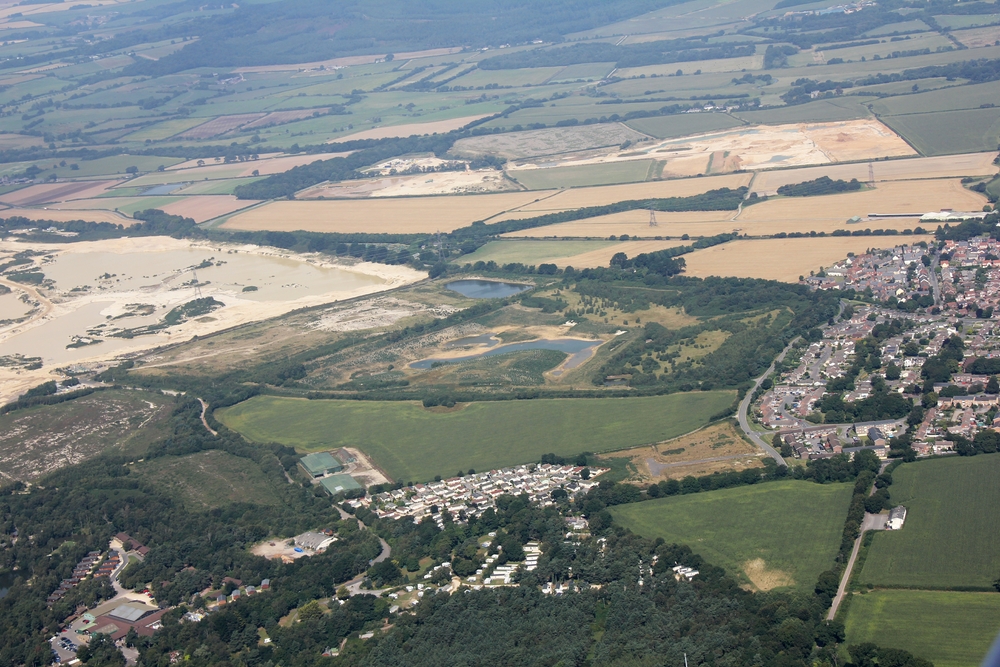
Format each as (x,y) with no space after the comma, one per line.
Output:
(486,339)
(486,289)
(6,581)
(164,189)
(579,351)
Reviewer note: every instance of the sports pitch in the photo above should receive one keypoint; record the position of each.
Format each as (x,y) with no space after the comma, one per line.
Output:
(412,443)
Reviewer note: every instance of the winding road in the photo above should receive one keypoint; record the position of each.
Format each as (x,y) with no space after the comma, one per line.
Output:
(745,407)
(354,585)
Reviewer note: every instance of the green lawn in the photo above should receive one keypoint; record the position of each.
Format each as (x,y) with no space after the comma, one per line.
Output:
(631,171)
(949,629)
(410,442)
(531,252)
(793,526)
(951,537)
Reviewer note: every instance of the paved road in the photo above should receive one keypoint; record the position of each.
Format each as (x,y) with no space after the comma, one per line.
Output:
(745,407)
(354,585)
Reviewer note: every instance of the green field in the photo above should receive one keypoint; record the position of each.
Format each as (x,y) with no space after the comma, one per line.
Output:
(531,252)
(210,479)
(413,443)
(951,537)
(793,526)
(682,125)
(949,132)
(631,171)
(949,629)
(842,108)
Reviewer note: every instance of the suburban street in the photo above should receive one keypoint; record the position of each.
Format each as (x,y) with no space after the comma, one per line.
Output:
(745,407)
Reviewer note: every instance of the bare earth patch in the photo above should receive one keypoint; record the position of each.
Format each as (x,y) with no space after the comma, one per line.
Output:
(753,148)
(440,183)
(375,313)
(763,578)
(715,448)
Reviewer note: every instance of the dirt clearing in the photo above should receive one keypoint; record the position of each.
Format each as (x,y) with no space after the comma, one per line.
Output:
(715,448)
(388,216)
(765,579)
(441,183)
(753,148)
(782,259)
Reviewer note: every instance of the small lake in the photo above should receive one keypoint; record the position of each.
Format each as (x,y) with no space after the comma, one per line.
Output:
(6,581)
(486,289)
(579,351)
(486,339)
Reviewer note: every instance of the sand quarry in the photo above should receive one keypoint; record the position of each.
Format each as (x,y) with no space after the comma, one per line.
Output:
(437,183)
(95,292)
(753,148)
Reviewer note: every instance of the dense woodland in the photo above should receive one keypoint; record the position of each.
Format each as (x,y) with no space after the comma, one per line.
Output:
(609,619)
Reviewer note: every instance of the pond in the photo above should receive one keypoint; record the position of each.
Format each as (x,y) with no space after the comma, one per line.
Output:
(486,289)
(6,581)
(579,351)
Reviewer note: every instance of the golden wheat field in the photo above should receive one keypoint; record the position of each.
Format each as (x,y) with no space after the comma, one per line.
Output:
(383,216)
(917,197)
(92,215)
(635,223)
(943,166)
(782,259)
(609,194)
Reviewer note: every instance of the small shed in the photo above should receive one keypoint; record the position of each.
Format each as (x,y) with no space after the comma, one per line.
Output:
(896,518)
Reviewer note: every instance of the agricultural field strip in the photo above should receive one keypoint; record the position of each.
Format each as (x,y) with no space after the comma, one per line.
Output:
(793,526)
(408,441)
